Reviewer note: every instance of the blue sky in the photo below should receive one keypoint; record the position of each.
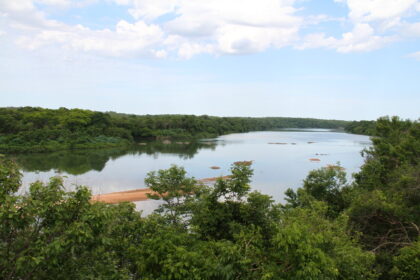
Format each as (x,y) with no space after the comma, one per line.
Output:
(342,59)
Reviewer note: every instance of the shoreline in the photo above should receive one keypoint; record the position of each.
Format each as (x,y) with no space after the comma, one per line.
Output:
(139,194)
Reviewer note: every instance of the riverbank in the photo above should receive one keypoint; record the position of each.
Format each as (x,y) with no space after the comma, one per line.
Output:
(139,194)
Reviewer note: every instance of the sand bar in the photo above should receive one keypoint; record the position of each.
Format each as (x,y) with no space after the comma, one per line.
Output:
(139,194)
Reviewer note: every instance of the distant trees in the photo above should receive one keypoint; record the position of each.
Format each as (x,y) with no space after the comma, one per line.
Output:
(31,129)
(361,127)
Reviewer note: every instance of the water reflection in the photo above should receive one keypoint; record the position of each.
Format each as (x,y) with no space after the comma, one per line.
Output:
(276,166)
(77,162)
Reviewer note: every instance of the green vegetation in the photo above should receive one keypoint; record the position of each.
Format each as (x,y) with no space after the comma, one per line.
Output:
(361,127)
(31,129)
(328,229)
(365,127)
(383,204)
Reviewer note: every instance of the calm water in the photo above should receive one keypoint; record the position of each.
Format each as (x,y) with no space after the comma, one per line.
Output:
(276,166)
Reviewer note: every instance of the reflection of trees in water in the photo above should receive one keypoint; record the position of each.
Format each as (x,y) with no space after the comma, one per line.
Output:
(77,162)
(184,151)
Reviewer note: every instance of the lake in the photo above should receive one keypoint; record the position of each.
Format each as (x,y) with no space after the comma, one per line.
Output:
(281,160)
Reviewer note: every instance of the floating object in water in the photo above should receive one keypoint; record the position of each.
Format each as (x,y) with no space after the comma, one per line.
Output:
(314,159)
(142,144)
(317,154)
(293,143)
(245,162)
(277,143)
(310,142)
(166,142)
(214,167)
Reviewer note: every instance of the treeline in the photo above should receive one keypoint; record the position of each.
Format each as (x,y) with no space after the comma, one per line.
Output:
(364,127)
(32,129)
(327,229)
(361,127)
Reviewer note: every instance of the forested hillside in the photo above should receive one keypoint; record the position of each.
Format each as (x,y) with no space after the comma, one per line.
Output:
(36,129)
(327,229)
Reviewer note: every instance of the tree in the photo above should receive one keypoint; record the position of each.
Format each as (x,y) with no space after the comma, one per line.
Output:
(327,184)
(407,263)
(385,203)
(49,233)
(175,189)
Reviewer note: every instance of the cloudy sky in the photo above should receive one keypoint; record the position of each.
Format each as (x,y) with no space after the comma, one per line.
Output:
(342,59)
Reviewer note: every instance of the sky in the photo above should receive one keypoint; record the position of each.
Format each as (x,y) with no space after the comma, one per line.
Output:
(333,59)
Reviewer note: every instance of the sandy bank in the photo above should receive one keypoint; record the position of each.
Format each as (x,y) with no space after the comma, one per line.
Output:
(138,194)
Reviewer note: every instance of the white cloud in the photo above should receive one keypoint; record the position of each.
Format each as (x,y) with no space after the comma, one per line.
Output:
(383,14)
(219,26)
(184,28)
(411,29)
(126,39)
(415,55)
(24,15)
(379,10)
(150,10)
(200,26)
(36,31)
(360,39)
(375,24)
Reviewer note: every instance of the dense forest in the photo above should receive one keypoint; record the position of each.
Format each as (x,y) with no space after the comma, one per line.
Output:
(327,229)
(30,129)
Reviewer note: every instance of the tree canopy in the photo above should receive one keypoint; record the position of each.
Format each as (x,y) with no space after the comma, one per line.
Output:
(327,229)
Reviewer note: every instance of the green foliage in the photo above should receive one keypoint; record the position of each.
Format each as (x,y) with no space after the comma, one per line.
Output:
(361,127)
(9,177)
(52,234)
(201,232)
(383,204)
(407,263)
(386,203)
(309,246)
(327,184)
(31,129)
(246,236)
(328,229)
(175,189)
